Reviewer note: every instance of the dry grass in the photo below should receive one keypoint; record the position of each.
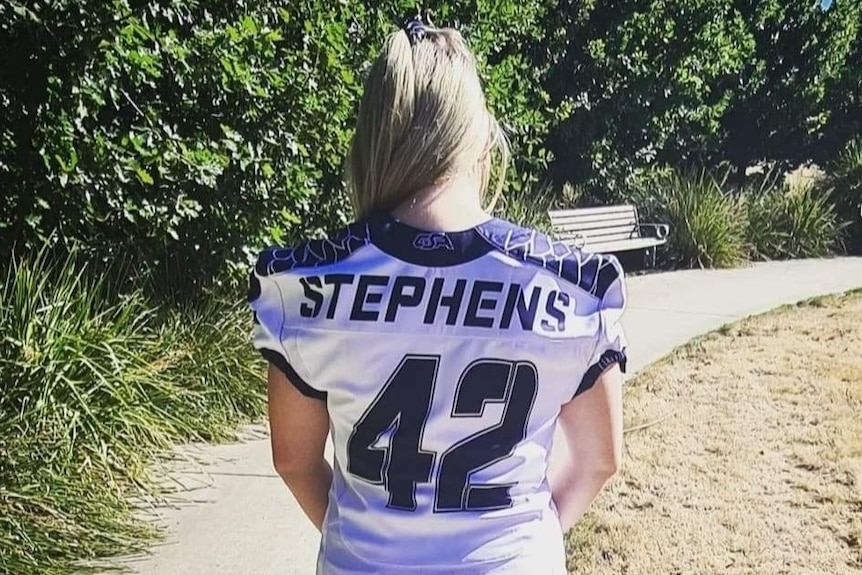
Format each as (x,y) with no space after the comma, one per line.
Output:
(759,467)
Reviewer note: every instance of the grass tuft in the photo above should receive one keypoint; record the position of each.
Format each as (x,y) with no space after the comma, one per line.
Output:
(97,386)
(843,183)
(706,223)
(785,222)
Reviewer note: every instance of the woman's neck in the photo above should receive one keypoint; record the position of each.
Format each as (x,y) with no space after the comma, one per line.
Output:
(449,207)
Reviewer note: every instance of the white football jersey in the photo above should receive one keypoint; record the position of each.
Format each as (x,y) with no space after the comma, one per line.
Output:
(443,359)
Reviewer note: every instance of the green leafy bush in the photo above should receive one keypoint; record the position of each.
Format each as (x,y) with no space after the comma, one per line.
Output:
(707,225)
(786,222)
(185,134)
(643,83)
(96,386)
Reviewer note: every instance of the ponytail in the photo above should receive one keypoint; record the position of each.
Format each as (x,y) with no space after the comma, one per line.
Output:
(422,118)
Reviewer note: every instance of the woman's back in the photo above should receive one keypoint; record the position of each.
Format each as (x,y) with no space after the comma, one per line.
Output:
(444,359)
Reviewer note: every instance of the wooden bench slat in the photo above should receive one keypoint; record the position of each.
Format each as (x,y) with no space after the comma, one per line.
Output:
(594,229)
(625,231)
(602,240)
(590,213)
(623,246)
(602,235)
(595,210)
(602,220)
(596,218)
(630,230)
(629,223)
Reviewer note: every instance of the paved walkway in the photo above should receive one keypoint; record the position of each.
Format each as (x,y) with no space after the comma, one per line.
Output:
(246,522)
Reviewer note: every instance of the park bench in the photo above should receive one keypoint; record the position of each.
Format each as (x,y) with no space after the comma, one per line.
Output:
(608,229)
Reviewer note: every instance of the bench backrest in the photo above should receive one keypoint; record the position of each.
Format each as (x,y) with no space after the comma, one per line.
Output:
(602,224)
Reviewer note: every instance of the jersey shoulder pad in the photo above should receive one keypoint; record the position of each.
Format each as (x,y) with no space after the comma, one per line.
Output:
(335,247)
(591,272)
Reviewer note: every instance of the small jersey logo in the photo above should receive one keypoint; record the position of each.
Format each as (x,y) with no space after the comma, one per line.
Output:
(432,241)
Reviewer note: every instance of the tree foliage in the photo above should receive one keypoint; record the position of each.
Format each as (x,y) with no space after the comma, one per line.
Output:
(784,103)
(646,82)
(185,133)
(180,135)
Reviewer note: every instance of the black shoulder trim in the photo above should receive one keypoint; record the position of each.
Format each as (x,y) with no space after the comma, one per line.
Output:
(253,288)
(608,358)
(332,249)
(593,273)
(281,363)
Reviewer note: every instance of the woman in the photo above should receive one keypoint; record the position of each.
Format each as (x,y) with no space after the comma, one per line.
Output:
(439,346)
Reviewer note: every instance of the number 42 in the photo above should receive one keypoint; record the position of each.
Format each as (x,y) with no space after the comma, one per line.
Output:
(403,406)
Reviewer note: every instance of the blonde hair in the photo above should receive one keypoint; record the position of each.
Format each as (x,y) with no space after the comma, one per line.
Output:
(422,119)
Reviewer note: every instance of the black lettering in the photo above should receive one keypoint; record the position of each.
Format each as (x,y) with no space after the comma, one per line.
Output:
(453,302)
(555,312)
(363,296)
(478,302)
(526,313)
(313,295)
(400,298)
(566,301)
(336,280)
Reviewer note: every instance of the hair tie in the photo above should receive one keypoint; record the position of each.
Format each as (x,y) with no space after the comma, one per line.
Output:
(415,29)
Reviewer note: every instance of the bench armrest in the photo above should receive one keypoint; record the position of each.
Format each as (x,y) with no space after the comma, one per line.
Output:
(659,231)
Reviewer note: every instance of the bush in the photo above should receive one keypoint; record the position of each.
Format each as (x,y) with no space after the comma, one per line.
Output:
(643,83)
(713,225)
(185,134)
(784,222)
(707,225)
(96,386)
(530,209)
(843,182)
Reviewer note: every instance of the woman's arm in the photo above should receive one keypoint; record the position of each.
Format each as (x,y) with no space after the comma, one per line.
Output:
(299,426)
(592,424)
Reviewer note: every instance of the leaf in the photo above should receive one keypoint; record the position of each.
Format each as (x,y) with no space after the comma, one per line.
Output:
(144,176)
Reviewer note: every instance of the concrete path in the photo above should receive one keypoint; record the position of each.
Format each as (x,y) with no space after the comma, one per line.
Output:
(244,520)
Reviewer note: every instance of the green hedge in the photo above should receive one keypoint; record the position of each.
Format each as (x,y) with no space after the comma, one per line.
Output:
(641,83)
(184,134)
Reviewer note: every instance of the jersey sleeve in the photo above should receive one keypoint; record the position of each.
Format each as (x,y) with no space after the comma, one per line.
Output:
(272,334)
(610,340)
